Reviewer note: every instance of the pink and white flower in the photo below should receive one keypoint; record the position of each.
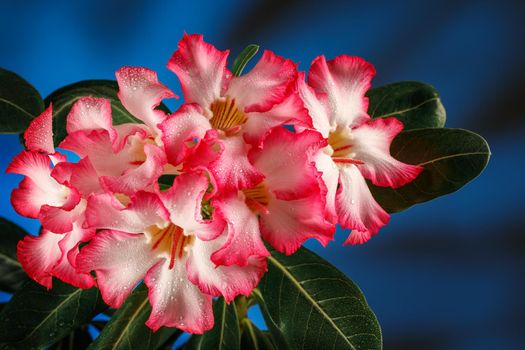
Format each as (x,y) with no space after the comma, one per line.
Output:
(241,110)
(358,146)
(165,240)
(127,157)
(287,207)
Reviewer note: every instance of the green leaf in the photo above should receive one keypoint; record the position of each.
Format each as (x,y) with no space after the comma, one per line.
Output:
(451,158)
(225,334)
(166,342)
(253,338)
(244,57)
(19,102)
(77,340)
(35,317)
(64,98)
(166,181)
(277,335)
(127,328)
(416,104)
(315,305)
(12,276)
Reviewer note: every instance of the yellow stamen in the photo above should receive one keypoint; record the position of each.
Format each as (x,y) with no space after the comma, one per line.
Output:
(226,115)
(257,198)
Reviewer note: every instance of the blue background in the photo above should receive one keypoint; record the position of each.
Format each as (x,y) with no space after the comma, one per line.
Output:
(442,275)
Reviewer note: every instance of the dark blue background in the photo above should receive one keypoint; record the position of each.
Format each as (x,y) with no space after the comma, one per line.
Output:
(443,275)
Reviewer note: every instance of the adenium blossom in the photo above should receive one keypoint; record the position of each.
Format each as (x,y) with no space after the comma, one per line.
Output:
(290,202)
(240,110)
(358,146)
(128,157)
(164,240)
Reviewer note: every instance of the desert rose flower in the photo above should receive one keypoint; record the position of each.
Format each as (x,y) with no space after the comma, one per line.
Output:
(164,239)
(241,110)
(127,157)
(288,206)
(358,146)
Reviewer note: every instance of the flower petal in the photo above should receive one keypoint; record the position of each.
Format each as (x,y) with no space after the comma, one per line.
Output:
(120,261)
(91,113)
(184,202)
(244,238)
(232,170)
(140,177)
(356,207)
(45,256)
(201,69)
(267,84)
(290,111)
(64,269)
(175,301)
(38,136)
(286,160)
(38,188)
(38,255)
(316,104)
(182,131)
(57,158)
(59,220)
(330,177)
(98,147)
(204,154)
(289,223)
(358,237)
(371,144)
(140,92)
(145,210)
(345,80)
(227,281)
(80,175)
(129,132)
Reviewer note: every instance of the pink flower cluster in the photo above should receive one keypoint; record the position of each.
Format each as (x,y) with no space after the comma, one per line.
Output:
(240,177)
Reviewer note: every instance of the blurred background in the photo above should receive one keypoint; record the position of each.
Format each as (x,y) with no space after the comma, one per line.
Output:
(443,275)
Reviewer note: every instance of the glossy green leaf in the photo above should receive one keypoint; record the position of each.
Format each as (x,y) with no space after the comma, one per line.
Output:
(127,328)
(416,104)
(244,57)
(64,98)
(315,305)
(19,102)
(225,334)
(450,157)
(36,317)
(12,276)
(276,332)
(253,338)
